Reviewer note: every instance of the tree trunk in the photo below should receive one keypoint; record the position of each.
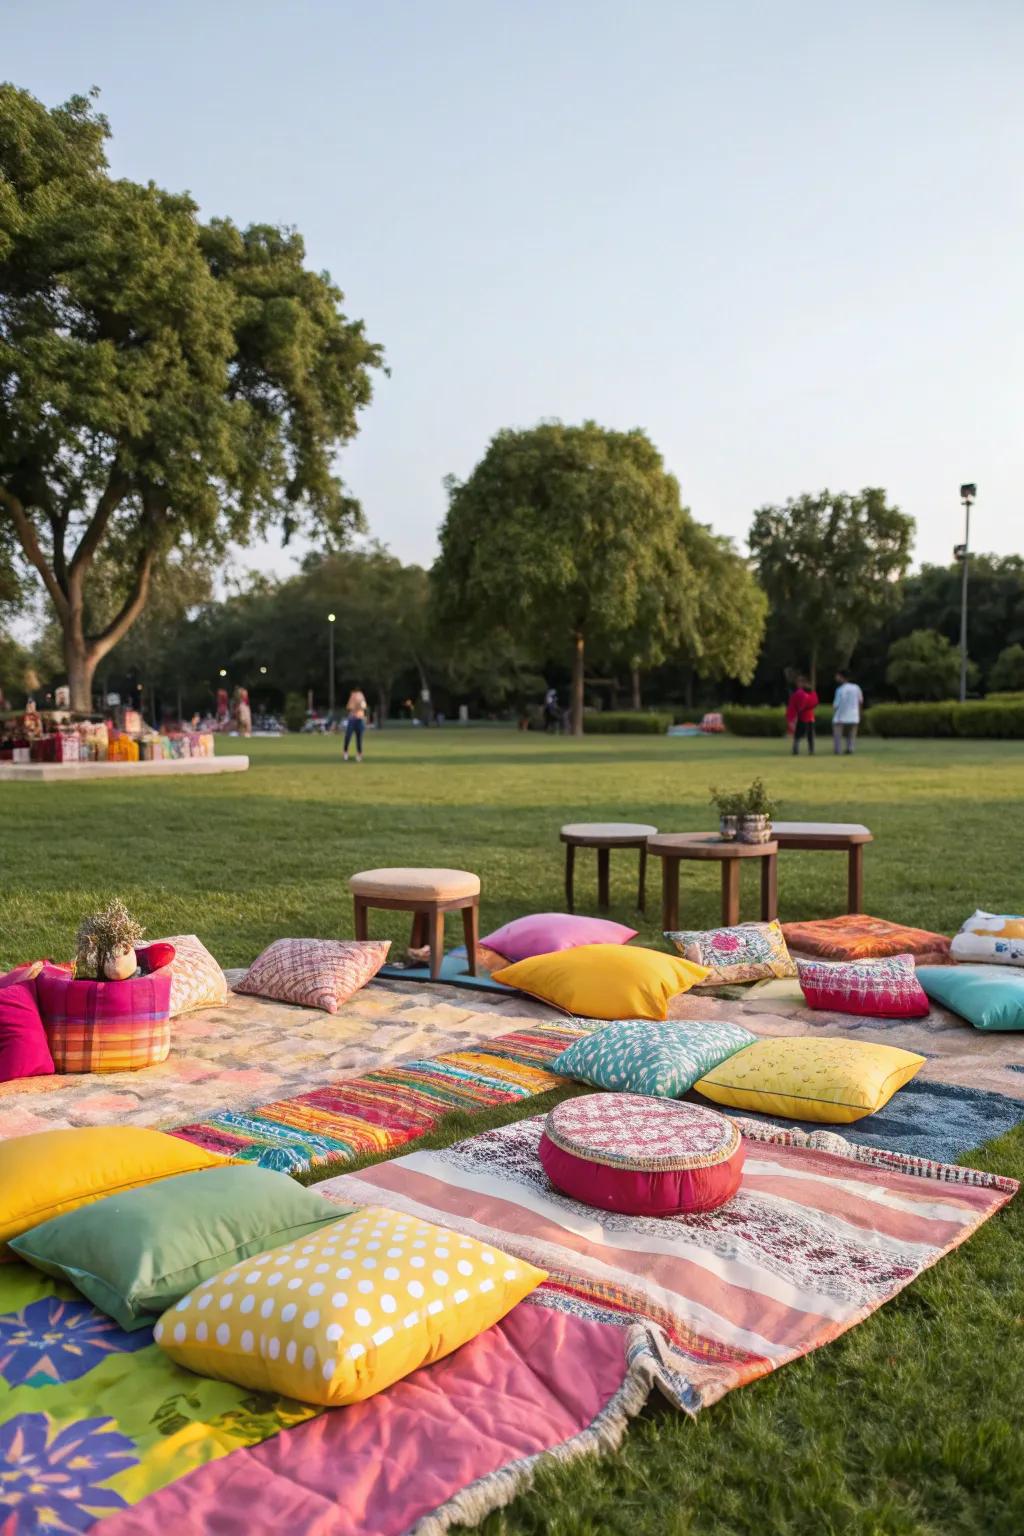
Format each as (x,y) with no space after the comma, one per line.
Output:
(689,689)
(382,707)
(577,684)
(635,681)
(81,667)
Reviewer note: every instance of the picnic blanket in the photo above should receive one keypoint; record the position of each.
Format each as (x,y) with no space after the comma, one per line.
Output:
(252,1050)
(381,1110)
(100,1431)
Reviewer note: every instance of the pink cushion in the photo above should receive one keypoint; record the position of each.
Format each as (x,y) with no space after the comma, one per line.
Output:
(24,1051)
(105,1026)
(544,932)
(887,989)
(317,973)
(626,1152)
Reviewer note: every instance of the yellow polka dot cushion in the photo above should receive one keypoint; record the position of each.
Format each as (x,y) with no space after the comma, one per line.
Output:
(347,1311)
(605,981)
(830,1080)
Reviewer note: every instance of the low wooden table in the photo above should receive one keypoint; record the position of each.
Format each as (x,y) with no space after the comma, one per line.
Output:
(673,847)
(604,836)
(830,836)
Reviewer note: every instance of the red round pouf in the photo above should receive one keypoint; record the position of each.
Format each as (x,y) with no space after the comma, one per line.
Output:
(642,1156)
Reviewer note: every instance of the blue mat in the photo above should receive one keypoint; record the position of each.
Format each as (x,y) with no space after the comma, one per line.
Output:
(453,972)
(936,1120)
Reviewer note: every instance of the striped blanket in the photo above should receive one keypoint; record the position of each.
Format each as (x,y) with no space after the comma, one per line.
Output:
(820,1235)
(368,1115)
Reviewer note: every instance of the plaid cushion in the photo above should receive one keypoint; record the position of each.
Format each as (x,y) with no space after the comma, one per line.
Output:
(105,1026)
(859,937)
(319,973)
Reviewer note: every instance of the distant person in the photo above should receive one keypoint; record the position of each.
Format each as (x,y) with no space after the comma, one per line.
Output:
(355,723)
(846,709)
(552,713)
(803,701)
(243,712)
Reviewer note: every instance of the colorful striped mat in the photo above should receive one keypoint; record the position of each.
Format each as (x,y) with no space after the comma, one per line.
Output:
(384,1109)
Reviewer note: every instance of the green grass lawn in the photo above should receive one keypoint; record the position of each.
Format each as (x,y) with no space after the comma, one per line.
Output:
(911,1425)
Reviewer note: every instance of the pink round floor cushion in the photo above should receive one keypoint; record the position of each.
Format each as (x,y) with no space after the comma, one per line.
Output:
(642,1156)
(105,1026)
(544,933)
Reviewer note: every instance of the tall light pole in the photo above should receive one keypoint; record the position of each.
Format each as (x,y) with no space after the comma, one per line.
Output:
(963,554)
(330,686)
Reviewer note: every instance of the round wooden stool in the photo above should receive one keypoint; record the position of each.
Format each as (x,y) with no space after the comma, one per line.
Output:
(673,847)
(428,894)
(604,836)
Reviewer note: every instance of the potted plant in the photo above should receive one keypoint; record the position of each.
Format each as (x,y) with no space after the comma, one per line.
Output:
(756,814)
(730,808)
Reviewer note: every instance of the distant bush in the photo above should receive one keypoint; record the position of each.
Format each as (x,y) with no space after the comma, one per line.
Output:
(294,711)
(767,719)
(608,722)
(1008,670)
(977,718)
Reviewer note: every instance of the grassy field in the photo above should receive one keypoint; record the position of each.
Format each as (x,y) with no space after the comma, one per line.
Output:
(910,1425)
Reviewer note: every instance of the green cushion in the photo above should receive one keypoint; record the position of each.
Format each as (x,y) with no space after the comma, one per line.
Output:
(662,1060)
(135,1254)
(987,996)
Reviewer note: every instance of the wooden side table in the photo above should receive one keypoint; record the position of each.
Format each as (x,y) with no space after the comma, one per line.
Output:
(673,847)
(604,836)
(429,894)
(831,836)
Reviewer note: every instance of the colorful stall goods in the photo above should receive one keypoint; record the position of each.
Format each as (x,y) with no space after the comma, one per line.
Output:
(93,739)
(151,749)
(122,749)
(62,747)
(621,1152)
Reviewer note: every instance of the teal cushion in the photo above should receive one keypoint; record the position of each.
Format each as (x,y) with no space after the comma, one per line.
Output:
(662,1060)
(135,1254)
(987,996)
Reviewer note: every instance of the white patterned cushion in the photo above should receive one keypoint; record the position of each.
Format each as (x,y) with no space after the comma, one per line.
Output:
(197,981)
(660,1060)
(317,973)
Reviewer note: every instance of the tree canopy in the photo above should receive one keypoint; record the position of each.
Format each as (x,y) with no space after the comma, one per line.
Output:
(830,565)
(571,538)
(165,383)
(924,665)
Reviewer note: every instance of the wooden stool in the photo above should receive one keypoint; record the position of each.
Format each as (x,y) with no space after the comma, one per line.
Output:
(428,894)
(604,836)
(840,836)
(672,847)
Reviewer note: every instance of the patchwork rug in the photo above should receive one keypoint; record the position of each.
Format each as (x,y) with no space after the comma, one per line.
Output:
(251,1051)
(373,1113)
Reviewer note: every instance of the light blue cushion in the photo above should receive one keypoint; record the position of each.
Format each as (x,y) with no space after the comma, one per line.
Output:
(662,1060)
(987,996)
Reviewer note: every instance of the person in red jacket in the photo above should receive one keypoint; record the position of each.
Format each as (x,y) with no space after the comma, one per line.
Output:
(803,701)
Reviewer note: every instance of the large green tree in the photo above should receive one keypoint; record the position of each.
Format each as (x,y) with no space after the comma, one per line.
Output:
(924,665)
(165,382)
(830,566)
(567,538)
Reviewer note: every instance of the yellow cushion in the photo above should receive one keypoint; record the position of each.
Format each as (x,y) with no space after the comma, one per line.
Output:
(51,1172)
(346,1311)
(415,884)
(835,1081)
(605,981)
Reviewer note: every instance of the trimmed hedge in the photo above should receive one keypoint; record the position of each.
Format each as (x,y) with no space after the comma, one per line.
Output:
(767,719)
(624,722)
(976,718)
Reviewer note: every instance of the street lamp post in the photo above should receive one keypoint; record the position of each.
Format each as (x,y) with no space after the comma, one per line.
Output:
(330,686)
(962,551)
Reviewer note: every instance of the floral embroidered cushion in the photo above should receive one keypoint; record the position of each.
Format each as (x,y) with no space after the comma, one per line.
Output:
(197,981)
(993,938)
(748,952)
(659,1060)
(317,973)
(887,989)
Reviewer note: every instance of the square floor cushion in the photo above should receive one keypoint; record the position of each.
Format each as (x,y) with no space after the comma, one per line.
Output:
(105,1026)
(50,1172)
(832,1081)
(605,981)
(987,996)
(24,1049)
(887,989)
(347,1312)
(197,981)
(543,933)
(991,938)
(747,952)
(135,1253)
(317,973)
(859,937)
(660,1060)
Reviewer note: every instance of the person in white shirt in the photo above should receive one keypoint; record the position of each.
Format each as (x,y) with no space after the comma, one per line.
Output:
(846,710)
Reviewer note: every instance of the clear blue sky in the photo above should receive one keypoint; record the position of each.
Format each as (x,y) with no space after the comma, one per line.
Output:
(786,239)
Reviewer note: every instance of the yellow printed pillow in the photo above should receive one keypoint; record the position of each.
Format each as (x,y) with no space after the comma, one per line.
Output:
(346,1311)
(605,981)
(51,1172)
(834,1081)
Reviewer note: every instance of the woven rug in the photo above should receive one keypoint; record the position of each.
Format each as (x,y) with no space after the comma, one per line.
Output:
(379,1111)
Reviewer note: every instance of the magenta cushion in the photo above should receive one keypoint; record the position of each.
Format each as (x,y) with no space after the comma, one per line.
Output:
(545,932)
(887,989)
(24,1051)
(645,1157)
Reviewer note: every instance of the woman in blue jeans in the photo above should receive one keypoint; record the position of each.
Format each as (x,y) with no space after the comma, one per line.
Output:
(355,725)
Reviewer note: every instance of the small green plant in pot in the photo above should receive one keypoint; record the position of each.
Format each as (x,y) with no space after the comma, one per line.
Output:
(756,815)
(730,805)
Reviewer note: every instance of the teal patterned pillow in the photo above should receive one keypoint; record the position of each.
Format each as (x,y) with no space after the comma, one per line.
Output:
(663,1060)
